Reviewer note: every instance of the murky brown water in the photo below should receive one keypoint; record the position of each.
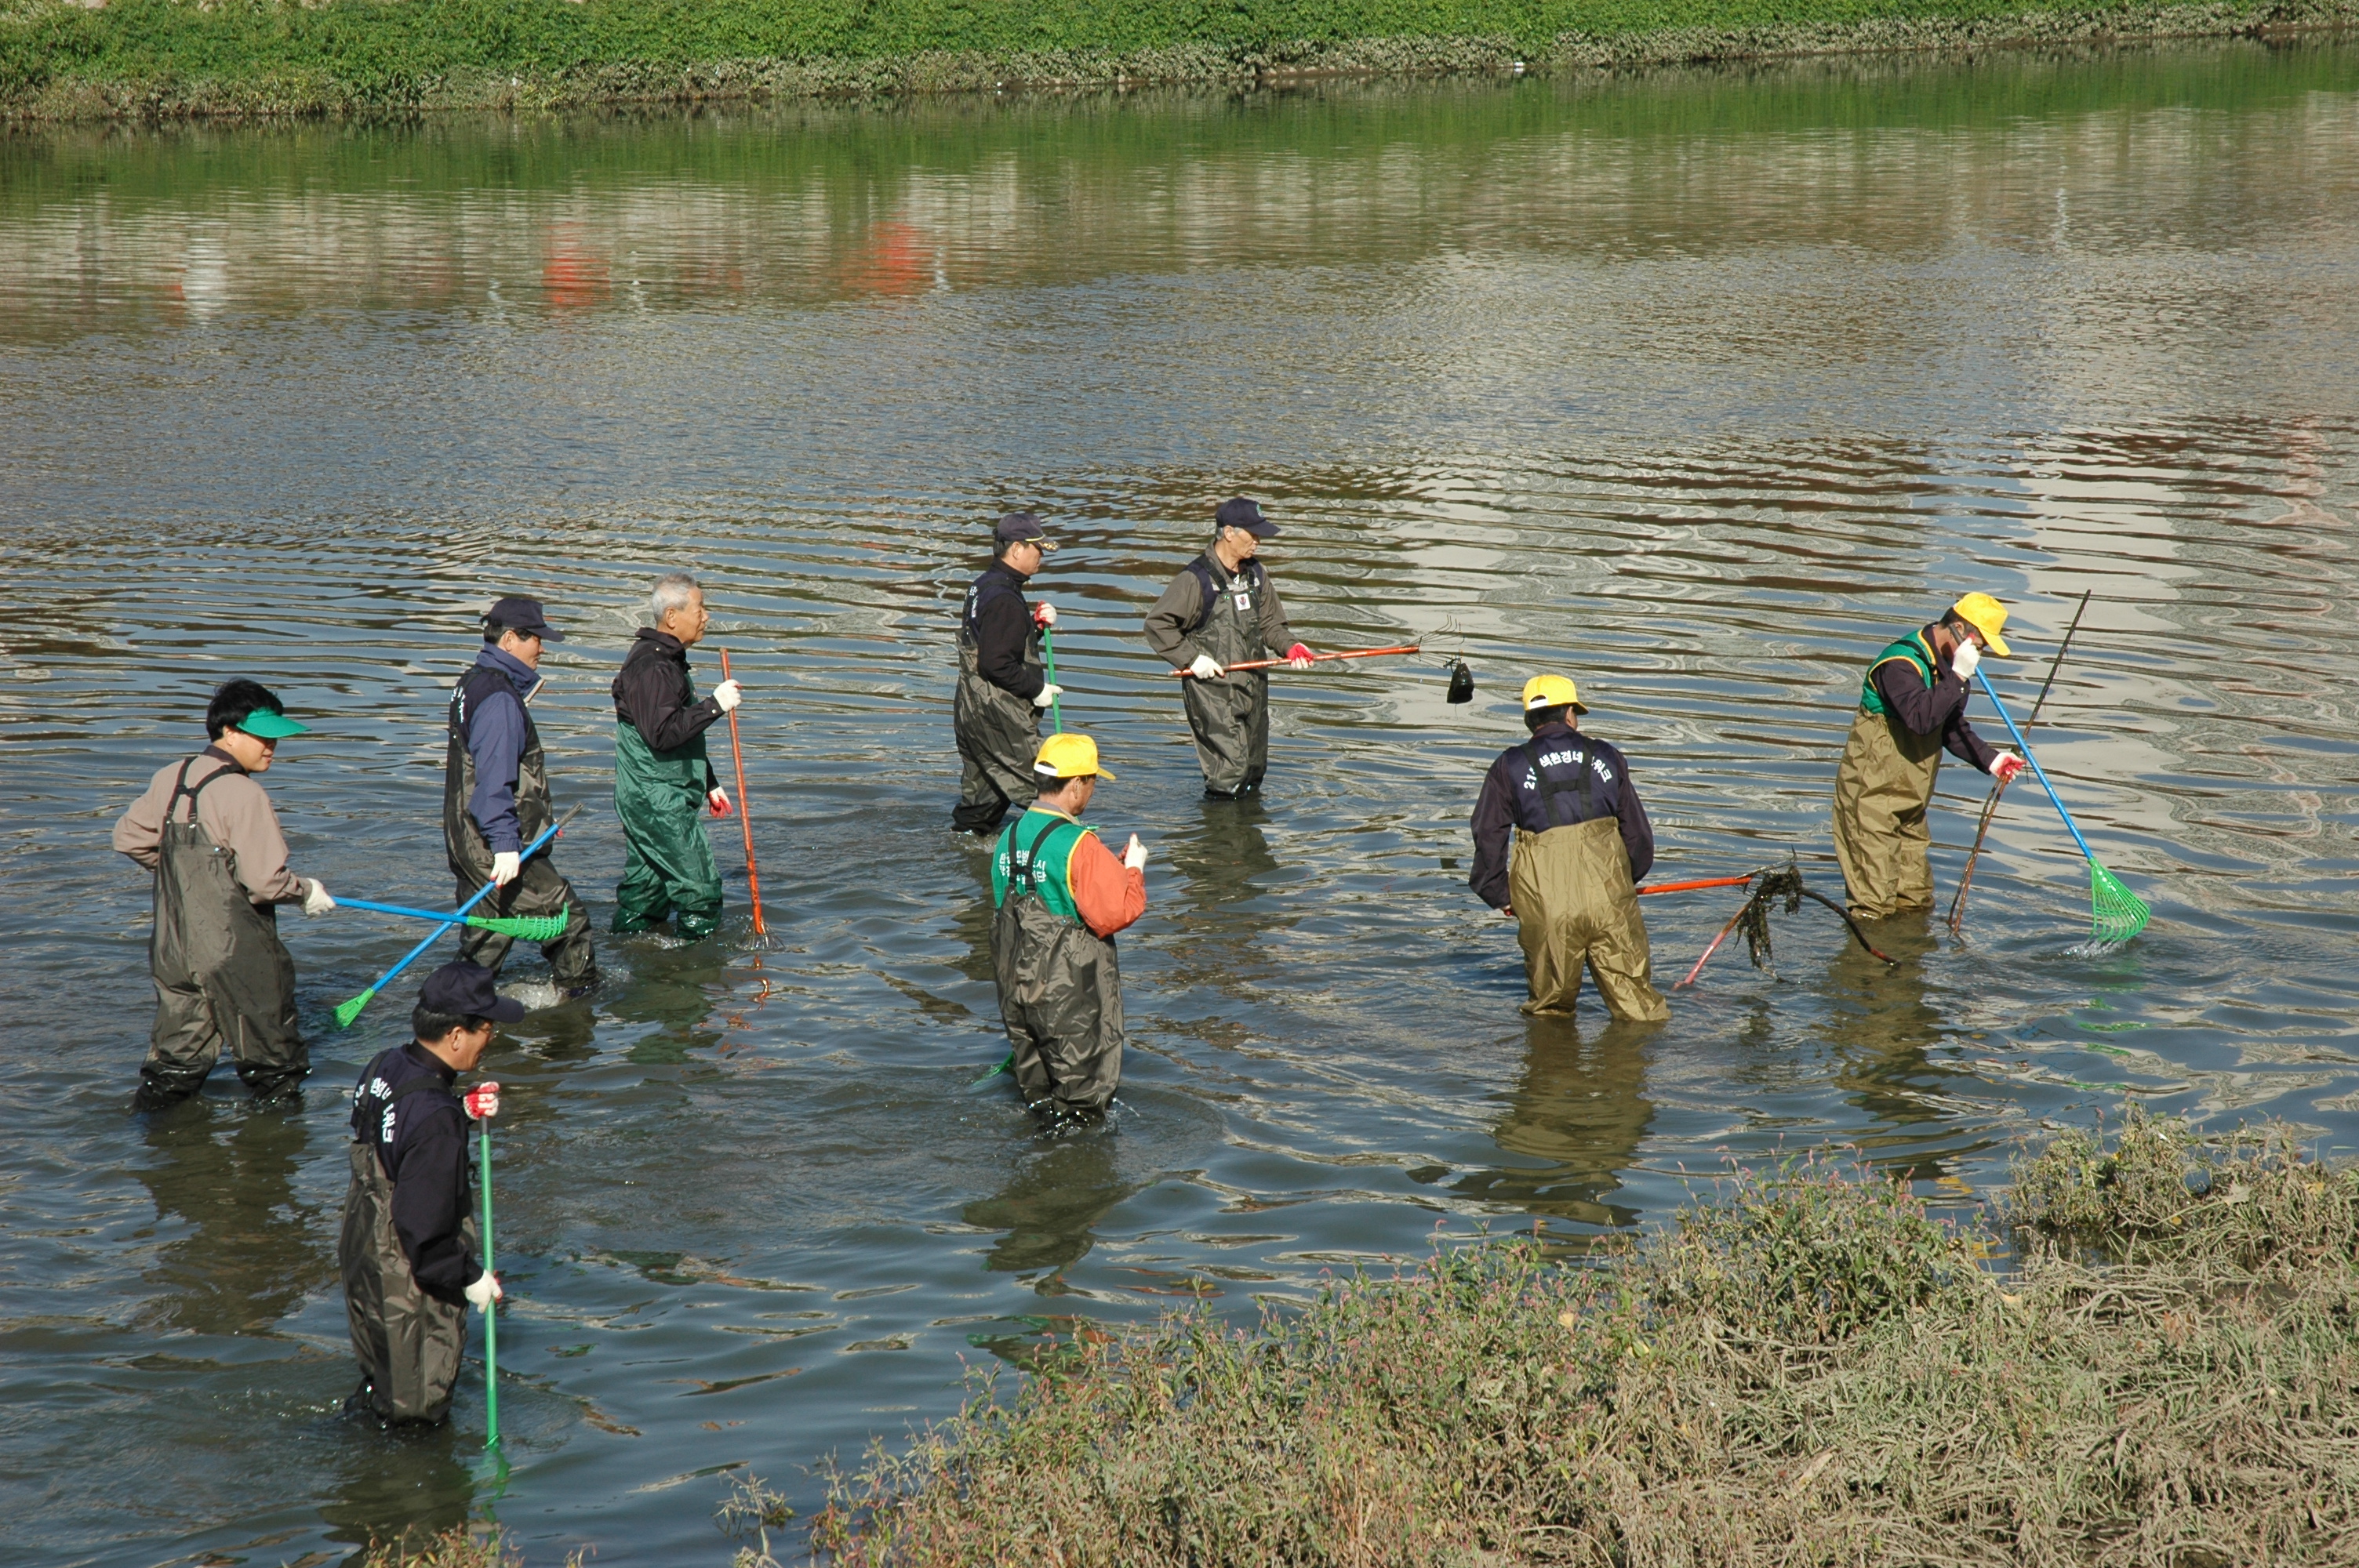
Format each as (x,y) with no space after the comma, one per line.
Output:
(1696,387)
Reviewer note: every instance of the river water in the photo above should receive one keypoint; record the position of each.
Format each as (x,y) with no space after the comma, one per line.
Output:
(1697,386)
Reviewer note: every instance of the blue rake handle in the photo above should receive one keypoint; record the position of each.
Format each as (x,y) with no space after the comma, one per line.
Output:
(2037,771)
(434,914)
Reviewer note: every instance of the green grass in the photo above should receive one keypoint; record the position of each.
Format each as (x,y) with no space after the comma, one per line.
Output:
(59,59)
(1812,1369)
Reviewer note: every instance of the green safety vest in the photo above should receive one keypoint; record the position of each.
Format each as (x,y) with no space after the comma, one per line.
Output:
(1911,648)
(1040,856)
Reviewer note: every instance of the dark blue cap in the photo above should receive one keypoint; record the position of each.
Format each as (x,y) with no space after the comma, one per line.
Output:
(518,613)
(466,991)
(1018,526)
(1239,513)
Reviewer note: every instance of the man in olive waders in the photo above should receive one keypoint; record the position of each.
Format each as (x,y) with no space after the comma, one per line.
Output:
(1220,610)
(664,784)
(1581,842)
(207,831)
(410,1253)
(1062,896)
(1912,704)
(1002,687)
(495,798)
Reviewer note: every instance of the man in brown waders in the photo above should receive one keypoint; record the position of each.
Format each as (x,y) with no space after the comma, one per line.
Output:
(1912,704)
(410,1252)
(1220,611)
(1062,896)
(1002,687)
(1581,841)
(207,831)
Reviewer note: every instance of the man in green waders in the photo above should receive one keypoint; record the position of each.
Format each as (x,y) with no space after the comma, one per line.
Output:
(1912,704)
(1581,842)
(1002,687)
(1062,896)
(1220,611)
(664,784)
(206,830)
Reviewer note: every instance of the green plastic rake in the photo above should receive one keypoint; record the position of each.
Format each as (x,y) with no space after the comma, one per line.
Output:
(523,927)
(2116,914)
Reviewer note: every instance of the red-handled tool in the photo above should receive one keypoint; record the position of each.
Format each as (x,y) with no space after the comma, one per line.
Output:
(1315,659)
(745,812)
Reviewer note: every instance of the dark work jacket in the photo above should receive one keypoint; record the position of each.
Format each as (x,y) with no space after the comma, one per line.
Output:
(1936,709)
(998,621)
(421,1145)
(1511,798)
(652,693)
(497,733)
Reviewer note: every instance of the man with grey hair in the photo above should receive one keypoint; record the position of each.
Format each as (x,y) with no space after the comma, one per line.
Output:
(663,781)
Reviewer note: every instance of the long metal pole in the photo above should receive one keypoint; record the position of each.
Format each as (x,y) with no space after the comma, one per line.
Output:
(745,817)
(1990,805)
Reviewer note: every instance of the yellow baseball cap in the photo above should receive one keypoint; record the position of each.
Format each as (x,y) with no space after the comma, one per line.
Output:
(1987,616)
(1069,756)
(1551,691)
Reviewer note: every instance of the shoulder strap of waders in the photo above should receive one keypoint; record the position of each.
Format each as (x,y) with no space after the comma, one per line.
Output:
(1204,611)
(180,789)
(1550,789)
(393,1096)
(1028,864)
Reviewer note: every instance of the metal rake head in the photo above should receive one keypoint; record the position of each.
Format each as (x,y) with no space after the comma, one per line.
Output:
(2116,914)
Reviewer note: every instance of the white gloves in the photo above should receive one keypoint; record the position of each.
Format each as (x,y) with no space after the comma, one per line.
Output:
(1044,614)
(485,1292)
(1966,660)
(1133,854)
(728,695)
(2004,766)
(1048,694)
(1204,669)
(315,897)
(504,866)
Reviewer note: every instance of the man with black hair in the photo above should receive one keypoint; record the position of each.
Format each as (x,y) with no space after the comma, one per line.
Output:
(408,1252)
(1581,842)
(207,831)
(1220,611)
(495,798)
(1002,688)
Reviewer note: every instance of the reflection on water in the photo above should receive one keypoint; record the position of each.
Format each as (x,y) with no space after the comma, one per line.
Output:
(1698,386)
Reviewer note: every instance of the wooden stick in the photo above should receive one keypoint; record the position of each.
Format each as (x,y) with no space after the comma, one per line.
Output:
(1316,658)
(745,817)
(1706,883)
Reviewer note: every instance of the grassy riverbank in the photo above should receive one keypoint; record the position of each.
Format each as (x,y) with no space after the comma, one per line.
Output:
(62,60)
(1810,1369)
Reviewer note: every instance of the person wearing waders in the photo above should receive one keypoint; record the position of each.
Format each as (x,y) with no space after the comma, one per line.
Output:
(1062,895)
(1220,610)
(495,798)
(1002,687)
(1912,705)
(1581,841)
(410,1253)
(664,784)
(206,830)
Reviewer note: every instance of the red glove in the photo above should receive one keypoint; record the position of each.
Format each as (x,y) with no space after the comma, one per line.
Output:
(483,1100)
(717,802)
(2006,765)
(1298,655)
(1044,614)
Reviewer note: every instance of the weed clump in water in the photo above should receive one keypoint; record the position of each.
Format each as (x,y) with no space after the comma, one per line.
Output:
(1814,1369)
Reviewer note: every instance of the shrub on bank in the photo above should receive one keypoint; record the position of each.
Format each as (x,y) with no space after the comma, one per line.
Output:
(1812,1370)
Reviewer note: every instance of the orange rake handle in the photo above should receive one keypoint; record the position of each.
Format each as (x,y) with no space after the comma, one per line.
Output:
(745,817)
(1691,887)
(1316,658)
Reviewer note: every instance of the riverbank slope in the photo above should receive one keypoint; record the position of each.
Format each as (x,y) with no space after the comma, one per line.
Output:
(145,60)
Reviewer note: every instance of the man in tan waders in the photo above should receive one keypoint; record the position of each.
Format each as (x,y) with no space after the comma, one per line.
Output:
(206,830)
(1912,704)
(1581,841)
(410,1248)
(1062,895)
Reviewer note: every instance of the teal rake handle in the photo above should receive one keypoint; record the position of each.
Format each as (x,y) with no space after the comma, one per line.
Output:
(1049,650)
(2037,771)
(489,922)
(492,1312)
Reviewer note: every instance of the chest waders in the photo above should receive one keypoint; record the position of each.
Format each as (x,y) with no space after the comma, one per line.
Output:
(998,732)
(1883,790)
(1229,715)
(222,975)
(408,1343)
(1575,904)
(667,865)
(1060,982)
(538,889)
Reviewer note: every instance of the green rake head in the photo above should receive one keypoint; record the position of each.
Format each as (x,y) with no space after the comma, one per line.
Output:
(525,928)
(2116,914)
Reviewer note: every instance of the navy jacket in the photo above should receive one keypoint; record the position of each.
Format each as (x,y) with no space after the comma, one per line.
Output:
(999,619)
(1511,799)
(496,740)
(421,1145)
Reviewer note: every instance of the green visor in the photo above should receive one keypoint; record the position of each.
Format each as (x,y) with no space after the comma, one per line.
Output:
(270,726)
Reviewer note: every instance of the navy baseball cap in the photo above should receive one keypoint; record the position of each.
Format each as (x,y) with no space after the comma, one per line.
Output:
(1020,526)
(466,991)
(521,614)
(1239,513)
